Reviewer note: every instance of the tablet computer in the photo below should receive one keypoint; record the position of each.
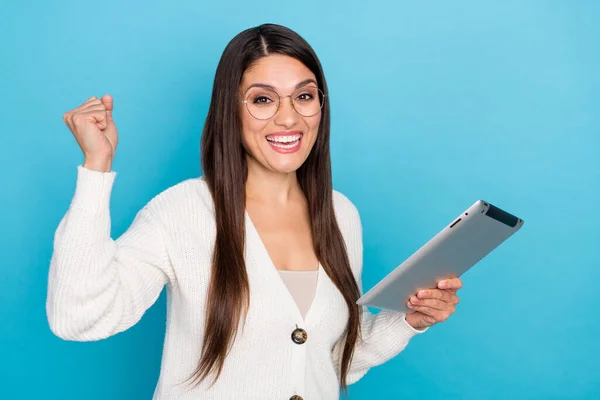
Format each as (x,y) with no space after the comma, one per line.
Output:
(456,248)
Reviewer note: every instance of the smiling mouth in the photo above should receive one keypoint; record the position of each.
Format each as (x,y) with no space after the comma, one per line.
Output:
(285,142)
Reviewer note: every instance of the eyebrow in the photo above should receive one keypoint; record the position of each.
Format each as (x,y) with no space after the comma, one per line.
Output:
(265,86)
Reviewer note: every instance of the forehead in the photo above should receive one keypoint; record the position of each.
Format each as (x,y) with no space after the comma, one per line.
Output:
(281,72)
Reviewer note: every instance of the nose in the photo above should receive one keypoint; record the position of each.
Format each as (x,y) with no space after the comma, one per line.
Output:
(286,115)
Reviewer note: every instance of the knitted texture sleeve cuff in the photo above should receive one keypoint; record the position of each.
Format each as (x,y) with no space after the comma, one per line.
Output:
(93,189)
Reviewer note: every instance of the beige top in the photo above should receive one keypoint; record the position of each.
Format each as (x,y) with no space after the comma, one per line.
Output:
(302,285)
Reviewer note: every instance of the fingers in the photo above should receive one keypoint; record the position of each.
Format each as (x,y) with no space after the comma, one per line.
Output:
(450,284)
(436,304)
(432,303)
(436,315)
(108,101)
(99,114)
(96,112)
(92,99)
(93,108)
(444,295)
(92,103)
(95,104)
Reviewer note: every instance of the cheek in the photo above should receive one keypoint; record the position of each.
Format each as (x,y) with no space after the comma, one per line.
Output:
(251,131)
(313,126)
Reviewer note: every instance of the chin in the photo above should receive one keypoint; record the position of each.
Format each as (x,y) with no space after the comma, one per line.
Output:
(285,163)
(285,167)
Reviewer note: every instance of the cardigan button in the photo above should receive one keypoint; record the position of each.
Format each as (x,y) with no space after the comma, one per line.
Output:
(299,336)
(296,397)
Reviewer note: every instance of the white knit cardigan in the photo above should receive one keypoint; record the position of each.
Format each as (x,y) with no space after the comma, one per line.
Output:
(99,287)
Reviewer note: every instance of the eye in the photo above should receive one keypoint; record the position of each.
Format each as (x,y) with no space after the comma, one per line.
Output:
(305,97)
(306,94)
(261,100)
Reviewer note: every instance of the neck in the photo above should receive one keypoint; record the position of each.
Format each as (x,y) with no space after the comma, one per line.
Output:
(270,187)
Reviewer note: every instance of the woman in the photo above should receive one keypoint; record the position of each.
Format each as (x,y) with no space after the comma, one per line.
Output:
(262,259)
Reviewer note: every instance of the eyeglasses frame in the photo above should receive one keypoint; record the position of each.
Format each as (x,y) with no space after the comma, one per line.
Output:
(279,104)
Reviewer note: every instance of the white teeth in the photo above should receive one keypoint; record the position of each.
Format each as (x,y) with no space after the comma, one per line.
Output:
(284,139)
(284,146)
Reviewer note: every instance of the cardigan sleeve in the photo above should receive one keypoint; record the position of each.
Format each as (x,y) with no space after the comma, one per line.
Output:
(385,334)
(98,286)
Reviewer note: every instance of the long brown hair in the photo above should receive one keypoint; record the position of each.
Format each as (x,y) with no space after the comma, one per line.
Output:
(225,171)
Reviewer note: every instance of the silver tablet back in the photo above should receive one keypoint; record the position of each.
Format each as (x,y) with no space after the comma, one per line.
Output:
(456,248)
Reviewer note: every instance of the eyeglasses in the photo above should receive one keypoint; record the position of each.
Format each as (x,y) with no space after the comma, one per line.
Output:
(263,103)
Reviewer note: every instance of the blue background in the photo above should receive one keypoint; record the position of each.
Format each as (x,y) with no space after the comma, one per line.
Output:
(434,105)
